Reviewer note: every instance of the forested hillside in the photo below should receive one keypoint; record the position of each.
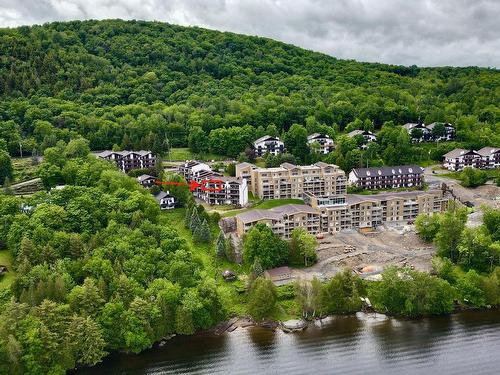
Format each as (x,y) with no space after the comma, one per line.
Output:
(146,84)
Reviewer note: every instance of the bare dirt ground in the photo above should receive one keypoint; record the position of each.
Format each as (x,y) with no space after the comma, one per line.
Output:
(390,245)
(488,194)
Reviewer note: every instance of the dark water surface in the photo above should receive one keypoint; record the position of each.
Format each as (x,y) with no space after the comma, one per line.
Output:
(464,343)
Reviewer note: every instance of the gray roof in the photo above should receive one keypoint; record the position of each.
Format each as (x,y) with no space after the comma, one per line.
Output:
(144,177)
(257,214)
(410,125)
(446,125)
(486,151)
(459,152)
(275,213)
(318,136)
(265,138)
(359,132)
(387,171)
(290,209)
(245,164)
(162,195)
(288,166)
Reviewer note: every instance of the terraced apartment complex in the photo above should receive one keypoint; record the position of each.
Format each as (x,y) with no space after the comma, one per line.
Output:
(331,214)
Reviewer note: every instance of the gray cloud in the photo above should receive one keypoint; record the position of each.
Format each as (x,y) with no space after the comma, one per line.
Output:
(422,32)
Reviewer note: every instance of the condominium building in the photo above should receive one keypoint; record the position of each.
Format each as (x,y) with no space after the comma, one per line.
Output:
(485,158)
(190,167)
(128,160)
(324,141)
(387,177)
(331,214)
(268,145)
(282,220)
(291,181)
(490,157)
(215,189)
(458,159)
(419,132)
(369,211)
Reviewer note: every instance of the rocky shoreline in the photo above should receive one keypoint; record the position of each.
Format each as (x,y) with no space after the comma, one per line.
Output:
(297,325)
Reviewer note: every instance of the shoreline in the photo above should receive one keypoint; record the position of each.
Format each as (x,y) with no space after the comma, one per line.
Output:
(245,321)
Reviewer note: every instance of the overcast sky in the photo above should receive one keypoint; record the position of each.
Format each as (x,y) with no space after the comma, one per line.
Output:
(421,32)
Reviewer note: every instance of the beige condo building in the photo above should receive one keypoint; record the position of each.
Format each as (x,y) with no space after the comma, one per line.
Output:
(331,214)
(292,181)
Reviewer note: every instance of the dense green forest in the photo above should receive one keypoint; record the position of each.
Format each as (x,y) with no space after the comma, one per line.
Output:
(133,84)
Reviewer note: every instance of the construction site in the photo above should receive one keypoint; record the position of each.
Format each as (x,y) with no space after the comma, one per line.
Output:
(368,253)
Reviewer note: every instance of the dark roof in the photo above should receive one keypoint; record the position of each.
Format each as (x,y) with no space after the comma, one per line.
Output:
(123,153)
(387,171)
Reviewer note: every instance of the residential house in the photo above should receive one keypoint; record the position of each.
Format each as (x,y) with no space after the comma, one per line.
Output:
(387,177)
(166,201)
(324,141)
(367,135)
(268,145)
(215,189)
(448,135)
(146,180)
(490,157)
(418,131)
(458,159)
(426,133)
(128,160)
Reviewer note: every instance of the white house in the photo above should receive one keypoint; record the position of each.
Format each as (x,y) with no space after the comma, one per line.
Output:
(166,201)
(490,157)
(146,180)
(427,131)
(268,145)
(326,144)
(368,136)
(458,159)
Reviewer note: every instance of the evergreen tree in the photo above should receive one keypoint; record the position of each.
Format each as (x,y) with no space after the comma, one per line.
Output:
(257,269)
(187,217)
(202,233)
(195,221)
(220,245)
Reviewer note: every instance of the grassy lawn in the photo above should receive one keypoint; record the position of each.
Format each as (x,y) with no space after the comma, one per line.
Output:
(213,267)
(6,260)
(491,173)
(183,153)
(23,169)
(266,204)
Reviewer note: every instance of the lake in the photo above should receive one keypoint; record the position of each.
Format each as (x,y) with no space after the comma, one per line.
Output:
(463,343)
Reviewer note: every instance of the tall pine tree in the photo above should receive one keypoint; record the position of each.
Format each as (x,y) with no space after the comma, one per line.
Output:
(220,245)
